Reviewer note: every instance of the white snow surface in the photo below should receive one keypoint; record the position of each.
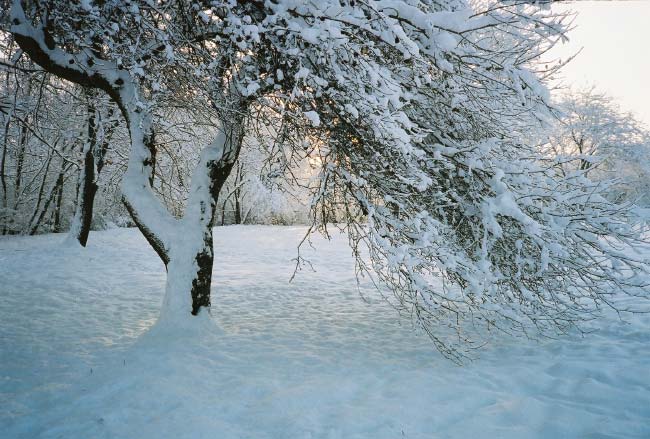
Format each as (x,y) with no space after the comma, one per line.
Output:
(79,357)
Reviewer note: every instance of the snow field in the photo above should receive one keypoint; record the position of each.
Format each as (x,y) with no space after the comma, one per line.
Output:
(79,357)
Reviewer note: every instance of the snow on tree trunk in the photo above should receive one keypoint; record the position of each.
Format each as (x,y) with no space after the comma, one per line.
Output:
(189,275)
(191,254)
(185,245)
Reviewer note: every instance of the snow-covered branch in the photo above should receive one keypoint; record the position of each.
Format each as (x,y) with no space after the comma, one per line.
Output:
(89,71)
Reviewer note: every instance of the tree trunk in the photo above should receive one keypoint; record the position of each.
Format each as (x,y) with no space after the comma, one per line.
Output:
(86,186)
(237,209)
(223,212)
(191,255)
(238,183)
(185,245)
(94,152)
(2,173)
(86,190)
(189,270)
(21,156)
(59,205)
(3,180)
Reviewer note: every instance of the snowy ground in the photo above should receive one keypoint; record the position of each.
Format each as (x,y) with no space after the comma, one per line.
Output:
(308,359)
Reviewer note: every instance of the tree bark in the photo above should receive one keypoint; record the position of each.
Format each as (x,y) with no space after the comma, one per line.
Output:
(237,209)
(59,203)
(3,180)
(94,152)
(86,190)
(238,181)
(191,254)
(21,156)
(2,173)
(217,169)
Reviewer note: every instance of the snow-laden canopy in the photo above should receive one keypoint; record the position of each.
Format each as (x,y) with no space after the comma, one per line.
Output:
(420,114)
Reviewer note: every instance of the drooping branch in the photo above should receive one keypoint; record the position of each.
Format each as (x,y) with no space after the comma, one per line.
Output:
(87,70)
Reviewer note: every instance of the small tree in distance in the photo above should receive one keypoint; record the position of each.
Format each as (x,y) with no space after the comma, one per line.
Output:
(596,137)
(418,113)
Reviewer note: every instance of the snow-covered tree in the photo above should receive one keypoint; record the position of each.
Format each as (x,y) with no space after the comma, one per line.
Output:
(416,112)
(595,136)
(257,191)
(40,140)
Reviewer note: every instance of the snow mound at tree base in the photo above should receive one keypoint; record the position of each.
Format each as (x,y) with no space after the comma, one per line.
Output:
(81,356)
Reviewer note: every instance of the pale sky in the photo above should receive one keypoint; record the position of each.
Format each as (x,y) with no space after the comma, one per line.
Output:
(615,41)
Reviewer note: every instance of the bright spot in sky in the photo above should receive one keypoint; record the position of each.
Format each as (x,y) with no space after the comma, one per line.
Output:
(615,41)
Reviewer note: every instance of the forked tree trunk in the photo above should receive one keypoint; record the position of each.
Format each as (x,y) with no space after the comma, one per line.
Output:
(185,245)
(191,255)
